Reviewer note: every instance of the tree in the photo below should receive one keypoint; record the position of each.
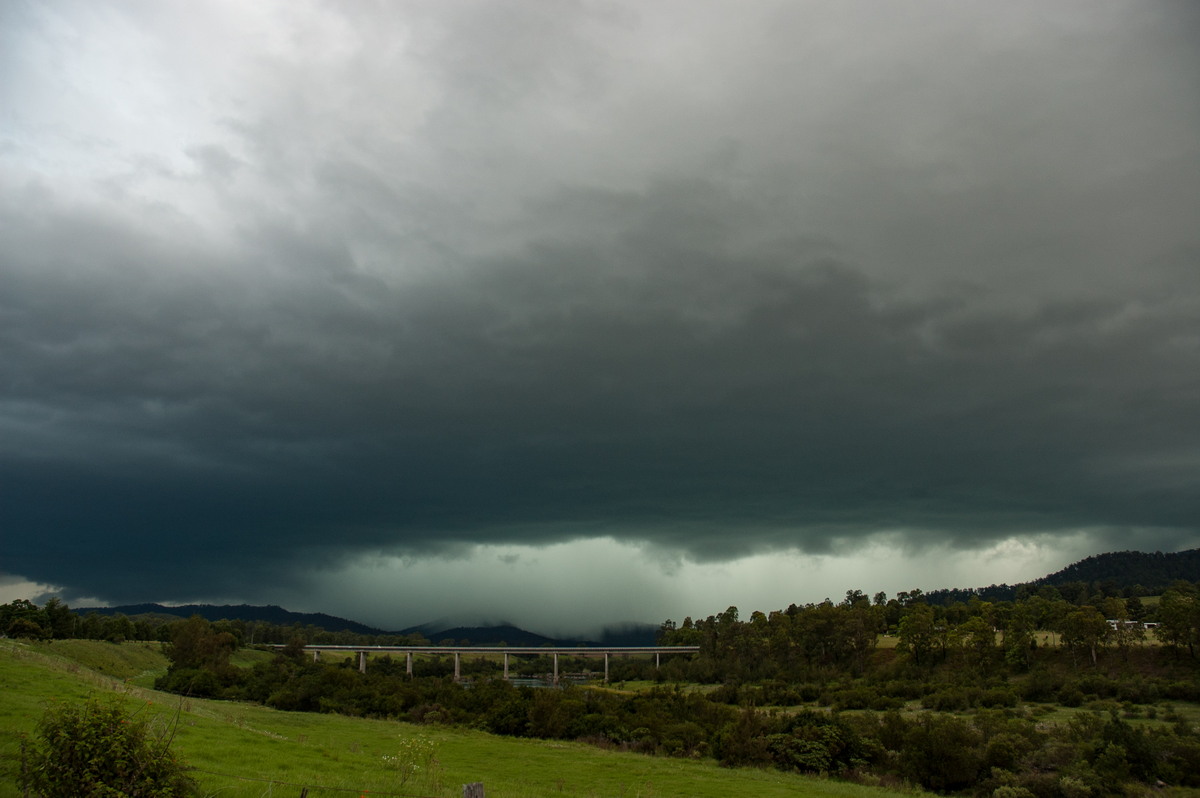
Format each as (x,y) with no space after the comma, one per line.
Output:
(978,640)
(117,628)
(196,644)
(96,749)
(22,618)
(1124,631)
(1084,629)
(861,625)
(1018,634)
(199,659)
(917,632)
(1179,619)
(24,627)
(60,621)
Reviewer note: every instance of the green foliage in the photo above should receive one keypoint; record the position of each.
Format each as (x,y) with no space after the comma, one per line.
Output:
(26,628)
(918,633)
(195,643)
(1179,619)
(22,618)
(941,752)
(970,665)
(95,750)
(413,756)
(336,755)
(199,655)
(1084,630)
(817,742)
(744,741)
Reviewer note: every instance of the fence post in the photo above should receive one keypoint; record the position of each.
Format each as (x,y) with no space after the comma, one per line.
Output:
(473,790)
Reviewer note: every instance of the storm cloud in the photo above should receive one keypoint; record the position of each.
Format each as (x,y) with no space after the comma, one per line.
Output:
(290,289)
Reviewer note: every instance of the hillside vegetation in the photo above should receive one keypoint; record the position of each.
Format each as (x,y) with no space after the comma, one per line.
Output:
(1061,693)
(245,751)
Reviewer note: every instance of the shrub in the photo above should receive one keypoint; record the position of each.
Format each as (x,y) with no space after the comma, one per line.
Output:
(952,699)
(884,703)
(1182,691)
(860,697)
(1041,685)
(1070,697)
(725,694)
(941,752)
(1097,685)
(998,697)
(24,627)
(96,749)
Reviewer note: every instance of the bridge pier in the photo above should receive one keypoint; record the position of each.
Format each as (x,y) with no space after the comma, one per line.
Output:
(505,651)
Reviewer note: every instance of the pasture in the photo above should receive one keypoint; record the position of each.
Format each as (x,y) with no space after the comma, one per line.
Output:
(245,751)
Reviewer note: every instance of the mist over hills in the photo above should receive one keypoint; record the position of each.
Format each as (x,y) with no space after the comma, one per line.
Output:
(628,634)
(1140,573)
(240,612)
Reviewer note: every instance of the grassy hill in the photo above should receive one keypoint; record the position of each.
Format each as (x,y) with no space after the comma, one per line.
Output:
(242,750)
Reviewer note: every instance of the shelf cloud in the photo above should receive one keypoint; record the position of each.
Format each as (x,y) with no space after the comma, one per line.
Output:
(614,302)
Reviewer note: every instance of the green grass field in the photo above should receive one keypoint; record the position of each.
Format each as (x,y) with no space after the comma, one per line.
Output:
(247,751)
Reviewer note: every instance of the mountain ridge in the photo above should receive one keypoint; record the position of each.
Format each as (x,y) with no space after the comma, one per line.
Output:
(629,634)
(1150,572)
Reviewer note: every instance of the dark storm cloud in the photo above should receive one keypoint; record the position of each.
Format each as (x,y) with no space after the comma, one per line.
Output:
(715,402)
(787,297)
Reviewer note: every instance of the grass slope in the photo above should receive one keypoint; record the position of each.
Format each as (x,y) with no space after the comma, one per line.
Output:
(247,751)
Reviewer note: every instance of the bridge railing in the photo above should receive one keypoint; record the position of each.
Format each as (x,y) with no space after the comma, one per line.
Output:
(458,651)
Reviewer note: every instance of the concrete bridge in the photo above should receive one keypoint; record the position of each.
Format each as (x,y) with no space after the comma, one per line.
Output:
(458,651)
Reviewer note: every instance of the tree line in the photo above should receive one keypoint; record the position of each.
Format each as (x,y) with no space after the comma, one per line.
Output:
(804,642)
(878,690)
(963,723)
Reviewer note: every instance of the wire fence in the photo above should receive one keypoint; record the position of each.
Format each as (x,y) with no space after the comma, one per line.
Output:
(309,789)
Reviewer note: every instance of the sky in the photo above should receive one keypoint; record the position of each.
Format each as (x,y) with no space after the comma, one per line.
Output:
(582,312)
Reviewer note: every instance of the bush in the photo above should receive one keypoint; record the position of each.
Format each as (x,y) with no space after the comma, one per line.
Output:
(941,752)
(96,749)
(24,627)
(952,699)
(998,697)
(1070,697)
(859,697)
(1041,686)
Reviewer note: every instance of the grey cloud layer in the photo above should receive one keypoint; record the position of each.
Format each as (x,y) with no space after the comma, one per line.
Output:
(720,281)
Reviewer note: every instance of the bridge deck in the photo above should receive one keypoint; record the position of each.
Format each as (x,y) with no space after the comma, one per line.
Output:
(581,651)
(506,651)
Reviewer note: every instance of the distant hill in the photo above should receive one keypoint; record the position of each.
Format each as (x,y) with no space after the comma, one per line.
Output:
(240,612)
(486,636)
(1129,572)
(629,634)
(623,635)
(1153,571)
